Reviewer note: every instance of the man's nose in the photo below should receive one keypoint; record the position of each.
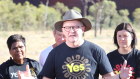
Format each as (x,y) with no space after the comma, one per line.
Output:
(72,29)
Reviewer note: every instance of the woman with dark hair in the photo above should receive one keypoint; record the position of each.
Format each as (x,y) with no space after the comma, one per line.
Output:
(18,62)
(125,39)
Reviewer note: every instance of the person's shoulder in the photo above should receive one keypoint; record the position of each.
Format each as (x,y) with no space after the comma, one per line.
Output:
(95,49)
(93,45)
(136,52)
(90,43)
(31,60)
(112,53)
(58,48)
(61,46)
(49,47)
(47,50)
(5,64)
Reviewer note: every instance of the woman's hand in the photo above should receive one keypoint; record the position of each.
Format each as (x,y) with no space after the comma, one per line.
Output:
(25,74)
(126,72)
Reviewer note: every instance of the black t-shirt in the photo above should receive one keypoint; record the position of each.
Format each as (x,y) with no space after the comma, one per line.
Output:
(84,62)
(8,70)
(133,60)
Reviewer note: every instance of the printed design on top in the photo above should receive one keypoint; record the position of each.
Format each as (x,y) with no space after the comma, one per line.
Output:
(118,68)
(76,67)
(33,72)
(14,74)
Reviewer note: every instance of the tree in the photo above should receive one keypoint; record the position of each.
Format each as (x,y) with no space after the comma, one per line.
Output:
(106,15)
(136,15)
(96,10)
(101,11)
(85,6)
(6,10)
(53,16)
(124,14)
(77,9)
(60,7)
(26,16)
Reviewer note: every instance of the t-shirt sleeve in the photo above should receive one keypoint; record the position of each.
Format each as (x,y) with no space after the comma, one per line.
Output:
(3,71)
(138,65)
(40,59)
(1,75)
(38,68)
(104,64)
(48,68)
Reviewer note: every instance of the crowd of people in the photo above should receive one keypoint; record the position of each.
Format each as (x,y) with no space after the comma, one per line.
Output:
(73,57)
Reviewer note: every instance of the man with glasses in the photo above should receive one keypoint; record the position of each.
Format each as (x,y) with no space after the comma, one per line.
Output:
(78,58)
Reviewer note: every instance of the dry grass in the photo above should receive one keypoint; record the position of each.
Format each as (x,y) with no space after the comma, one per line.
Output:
(37,41)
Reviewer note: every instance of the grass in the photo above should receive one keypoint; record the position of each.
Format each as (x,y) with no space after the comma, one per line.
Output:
(37,41)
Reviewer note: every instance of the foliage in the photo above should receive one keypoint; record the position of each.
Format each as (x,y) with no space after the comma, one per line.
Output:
(26,16)
(60,7)
(124,15)
(52,17)
(136,15)
(106,14)
(77,9)
(6,8)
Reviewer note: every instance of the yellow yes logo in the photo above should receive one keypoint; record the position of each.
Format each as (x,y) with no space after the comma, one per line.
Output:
(75,68)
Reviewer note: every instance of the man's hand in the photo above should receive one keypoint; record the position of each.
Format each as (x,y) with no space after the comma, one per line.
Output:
(25,74)
(125,72)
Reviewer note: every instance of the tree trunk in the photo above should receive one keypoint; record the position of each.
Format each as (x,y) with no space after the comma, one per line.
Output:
(85,7)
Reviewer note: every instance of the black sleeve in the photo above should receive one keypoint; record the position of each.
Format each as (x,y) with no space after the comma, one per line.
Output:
(104,64)
(49,67)
(38,67)
(1,77)
(138,64)
(4,74)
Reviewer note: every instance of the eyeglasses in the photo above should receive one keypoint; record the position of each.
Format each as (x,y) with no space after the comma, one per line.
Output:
(68,28)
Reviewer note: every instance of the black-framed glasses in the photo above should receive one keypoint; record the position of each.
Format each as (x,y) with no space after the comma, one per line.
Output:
(68,28)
